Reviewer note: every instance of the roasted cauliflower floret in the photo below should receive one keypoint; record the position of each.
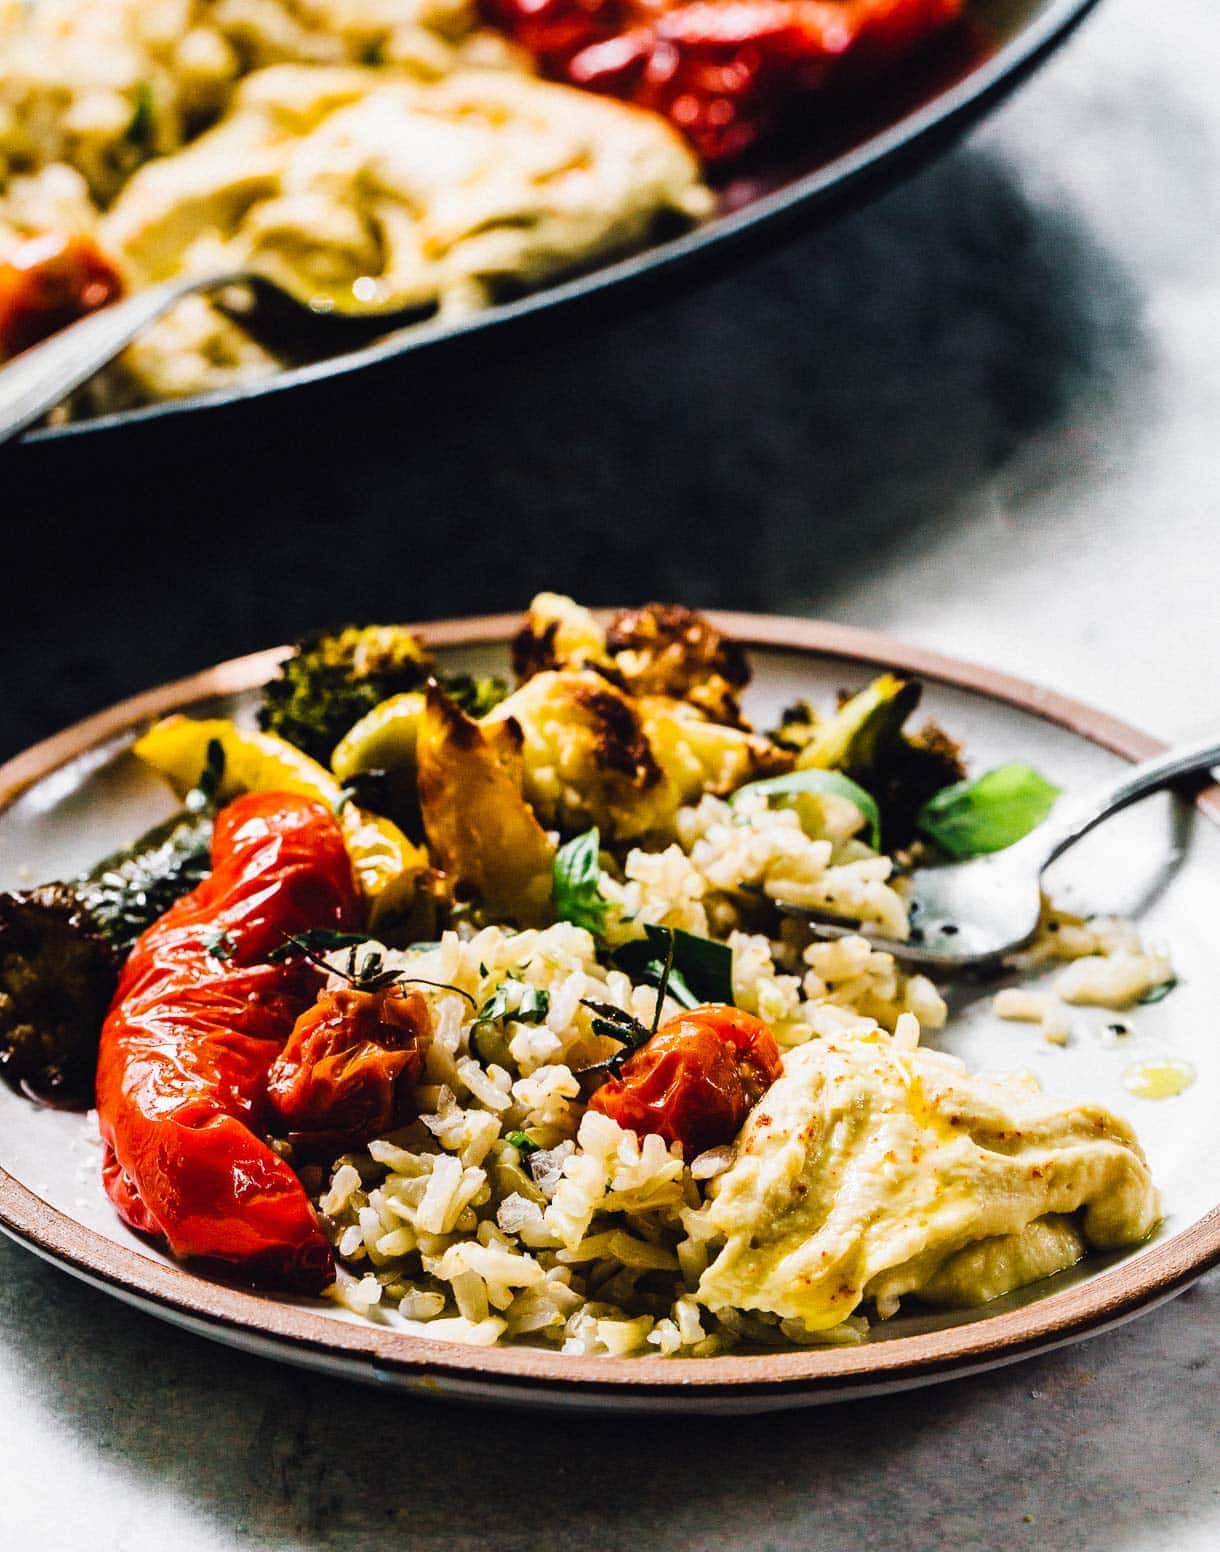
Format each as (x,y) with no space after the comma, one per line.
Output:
(557,632)
(594,755)
(667,649)
(698,755)
(587,760)
(660,649)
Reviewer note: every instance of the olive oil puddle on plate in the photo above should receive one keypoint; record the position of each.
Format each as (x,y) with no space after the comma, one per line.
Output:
(1158,1079)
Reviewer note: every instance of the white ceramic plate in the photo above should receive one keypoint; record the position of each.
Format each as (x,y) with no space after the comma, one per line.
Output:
(70,800)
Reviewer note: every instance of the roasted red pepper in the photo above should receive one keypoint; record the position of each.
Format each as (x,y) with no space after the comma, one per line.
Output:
(49,281)
(200,1015)
(724,71)
(695,1081)
(347,1071)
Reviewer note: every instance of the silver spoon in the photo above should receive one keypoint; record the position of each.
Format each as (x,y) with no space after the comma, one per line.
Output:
(45,374)
(968,915)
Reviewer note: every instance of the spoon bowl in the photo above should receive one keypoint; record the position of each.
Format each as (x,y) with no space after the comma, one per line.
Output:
(968,915)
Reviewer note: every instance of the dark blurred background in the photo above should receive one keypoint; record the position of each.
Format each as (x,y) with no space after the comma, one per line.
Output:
(943,383)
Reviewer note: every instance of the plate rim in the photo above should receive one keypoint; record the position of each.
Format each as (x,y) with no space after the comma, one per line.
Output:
(817,1374)
(830,186)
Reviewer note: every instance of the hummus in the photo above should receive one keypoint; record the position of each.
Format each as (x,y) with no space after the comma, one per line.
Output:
(870,1171)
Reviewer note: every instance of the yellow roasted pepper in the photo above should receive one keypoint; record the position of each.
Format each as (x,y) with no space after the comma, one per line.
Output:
(392,872)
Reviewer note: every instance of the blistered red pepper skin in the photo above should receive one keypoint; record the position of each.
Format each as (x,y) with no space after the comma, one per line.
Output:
(696,1080)
(725,72)
(347,1071)
(198,1018)
(49,281)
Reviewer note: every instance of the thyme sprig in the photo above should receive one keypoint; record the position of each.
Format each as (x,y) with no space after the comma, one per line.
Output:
(617,1024)
(367,973)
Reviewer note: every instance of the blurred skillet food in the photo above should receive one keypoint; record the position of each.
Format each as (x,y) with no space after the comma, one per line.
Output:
(371,156)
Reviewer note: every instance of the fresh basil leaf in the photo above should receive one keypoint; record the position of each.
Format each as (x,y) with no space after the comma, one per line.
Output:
(524,1143)
(834,783)
(575,881)
(1159,992)
(989,813)
(676,987)
(515,1000)
(702,968)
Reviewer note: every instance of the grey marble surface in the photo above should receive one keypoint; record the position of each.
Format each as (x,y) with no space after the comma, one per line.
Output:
(983,413)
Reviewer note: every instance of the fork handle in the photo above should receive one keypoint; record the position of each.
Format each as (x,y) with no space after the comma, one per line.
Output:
(45,374)
(1137,781)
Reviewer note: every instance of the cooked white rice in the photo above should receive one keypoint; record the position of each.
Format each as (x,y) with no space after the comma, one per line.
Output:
(596,1242)
(593,1245)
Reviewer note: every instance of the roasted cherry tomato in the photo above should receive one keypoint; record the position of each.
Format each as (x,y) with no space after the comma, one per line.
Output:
(696,1080)
(200,1014)
(725,72)
(49,281)
(347,1071)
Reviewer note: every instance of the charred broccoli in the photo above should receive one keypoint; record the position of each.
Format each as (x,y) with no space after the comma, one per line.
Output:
(57,976)
(61,946)
(334,678)
(865,739)
(475,696)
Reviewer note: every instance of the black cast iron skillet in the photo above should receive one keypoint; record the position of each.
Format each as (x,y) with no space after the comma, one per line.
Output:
(846,153)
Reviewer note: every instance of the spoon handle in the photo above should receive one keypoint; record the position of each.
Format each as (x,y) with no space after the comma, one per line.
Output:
(1137,781)
(45,374)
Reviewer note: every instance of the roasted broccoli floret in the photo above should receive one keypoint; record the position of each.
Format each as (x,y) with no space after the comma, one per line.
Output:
(334,678)
(475,696)
(57,976)
(128,891)
(865,739)
(61,946)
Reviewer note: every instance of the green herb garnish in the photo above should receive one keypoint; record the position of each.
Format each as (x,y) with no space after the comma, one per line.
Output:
(515,1000)
(139,131)
(364,973)
(617,1024)
(710,964)
(988,814)
(701,969)
(219,943)
(575,881)
(835,783)
(318,940)
(524,1143)
(203,794)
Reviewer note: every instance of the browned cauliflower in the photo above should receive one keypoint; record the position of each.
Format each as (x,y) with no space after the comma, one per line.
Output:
(660,649)
(595,755)
(667,649)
